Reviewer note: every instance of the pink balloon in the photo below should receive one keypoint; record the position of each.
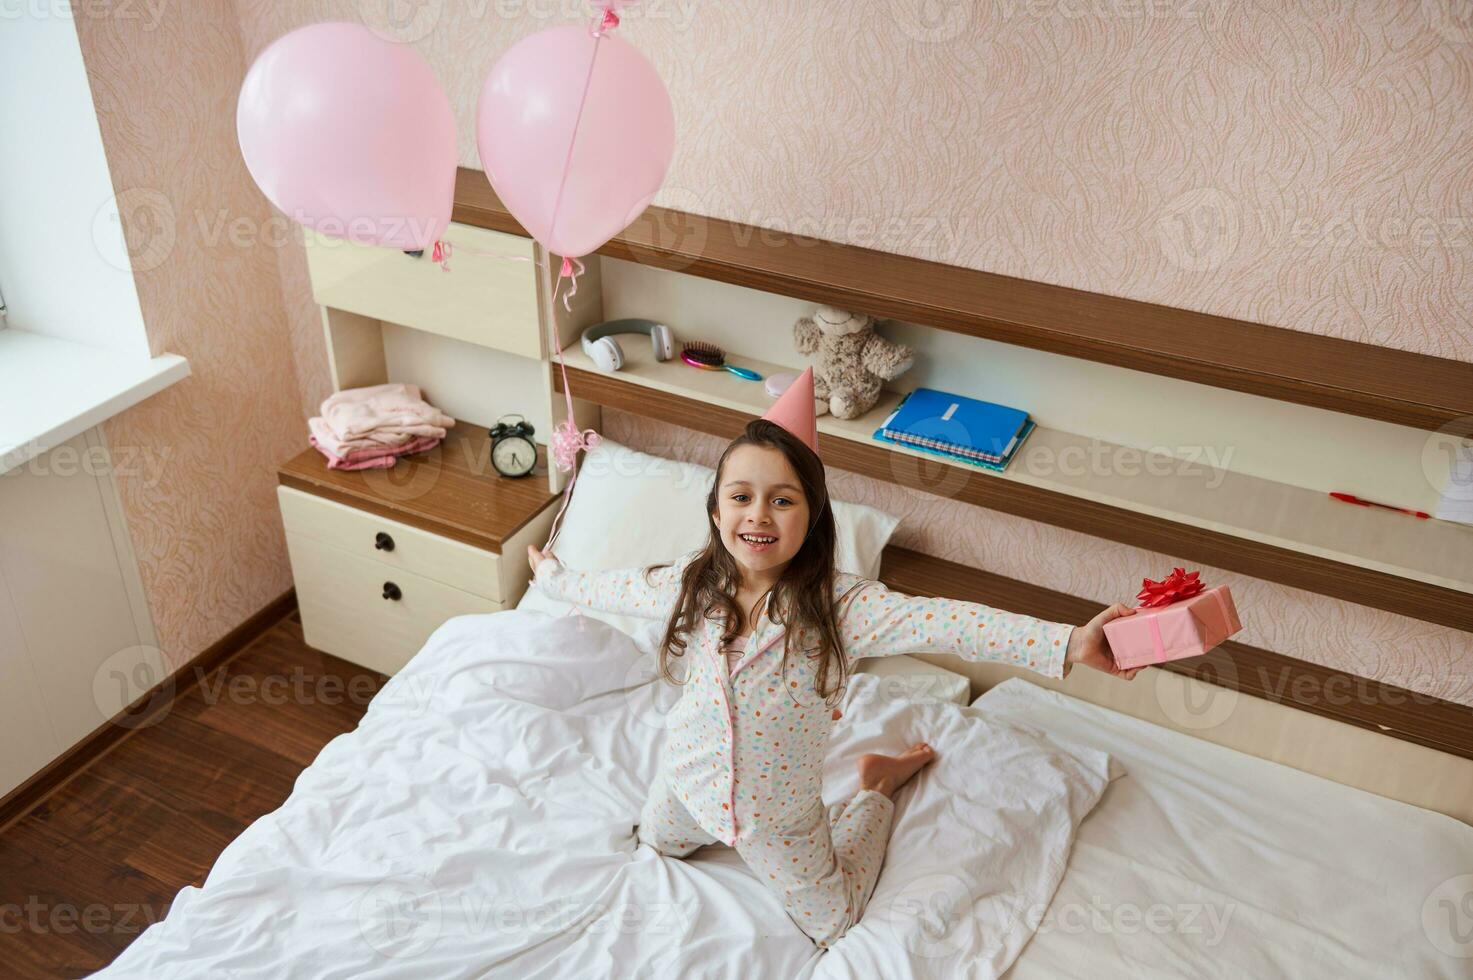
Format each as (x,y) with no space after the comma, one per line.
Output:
(625,136)
(350,134)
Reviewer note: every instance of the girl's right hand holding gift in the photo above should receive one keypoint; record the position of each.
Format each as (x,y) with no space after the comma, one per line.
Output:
(1087,644)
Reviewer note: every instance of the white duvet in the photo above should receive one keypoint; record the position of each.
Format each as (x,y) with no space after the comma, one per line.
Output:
(1207,862)
(480,822)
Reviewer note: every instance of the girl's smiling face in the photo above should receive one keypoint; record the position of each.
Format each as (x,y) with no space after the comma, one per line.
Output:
(761,512)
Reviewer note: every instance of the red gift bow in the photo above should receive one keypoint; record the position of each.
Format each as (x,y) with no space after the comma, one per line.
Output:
(1175,587)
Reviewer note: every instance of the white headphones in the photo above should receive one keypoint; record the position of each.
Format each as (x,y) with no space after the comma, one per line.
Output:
(605,352)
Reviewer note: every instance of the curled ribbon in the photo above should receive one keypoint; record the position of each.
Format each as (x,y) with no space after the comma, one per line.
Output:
(1179,585)
(566,440)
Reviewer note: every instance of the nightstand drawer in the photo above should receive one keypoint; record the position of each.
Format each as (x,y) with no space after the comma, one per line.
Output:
(489,300)
(357,609)
(392,546)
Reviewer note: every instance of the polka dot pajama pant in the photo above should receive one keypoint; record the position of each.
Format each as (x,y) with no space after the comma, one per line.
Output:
(823,865)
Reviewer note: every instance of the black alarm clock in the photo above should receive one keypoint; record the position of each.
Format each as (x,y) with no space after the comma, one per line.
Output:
(513,452)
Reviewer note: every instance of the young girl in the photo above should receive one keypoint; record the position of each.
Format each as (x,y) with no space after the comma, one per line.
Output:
(776,631)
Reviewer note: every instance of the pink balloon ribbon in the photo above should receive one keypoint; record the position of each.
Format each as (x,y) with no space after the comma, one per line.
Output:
(566,440)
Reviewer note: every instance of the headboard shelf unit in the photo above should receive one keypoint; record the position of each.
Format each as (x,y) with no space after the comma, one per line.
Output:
(1361,379)
(1259,527)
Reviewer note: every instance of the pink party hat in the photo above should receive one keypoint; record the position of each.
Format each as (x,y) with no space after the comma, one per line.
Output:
(794,410)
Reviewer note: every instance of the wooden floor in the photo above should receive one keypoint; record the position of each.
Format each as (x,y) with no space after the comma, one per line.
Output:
(86,871)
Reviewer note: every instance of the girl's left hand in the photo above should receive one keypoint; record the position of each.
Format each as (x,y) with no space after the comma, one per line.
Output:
(535,557)
(1087,644)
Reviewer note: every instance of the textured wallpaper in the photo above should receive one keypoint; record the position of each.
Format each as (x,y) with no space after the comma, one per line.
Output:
(204,521)
(1304,164)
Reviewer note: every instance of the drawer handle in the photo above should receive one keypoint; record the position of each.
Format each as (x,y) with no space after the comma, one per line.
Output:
(392,592)
(383,542)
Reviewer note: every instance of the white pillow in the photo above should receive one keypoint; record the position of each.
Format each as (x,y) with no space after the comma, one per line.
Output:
(918,680)
(631,508)
(861,533)
(980,840)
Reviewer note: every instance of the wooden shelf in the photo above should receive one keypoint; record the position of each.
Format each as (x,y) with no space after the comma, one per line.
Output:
(1289,365)
(451,490)
(1258,527)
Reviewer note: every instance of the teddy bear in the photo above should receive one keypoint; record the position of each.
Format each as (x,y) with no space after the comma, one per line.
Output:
(853,361)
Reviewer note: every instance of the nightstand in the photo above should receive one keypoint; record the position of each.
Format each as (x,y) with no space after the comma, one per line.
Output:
(382,557)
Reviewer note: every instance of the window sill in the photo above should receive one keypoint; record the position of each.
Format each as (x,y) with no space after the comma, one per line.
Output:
(51,390)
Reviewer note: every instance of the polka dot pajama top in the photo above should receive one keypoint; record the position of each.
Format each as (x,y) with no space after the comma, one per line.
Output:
(744,746)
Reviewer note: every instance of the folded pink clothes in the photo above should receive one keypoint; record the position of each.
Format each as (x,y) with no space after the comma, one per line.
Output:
(375,442)
(382,459)
(412,446)
(355,413)
(388,433)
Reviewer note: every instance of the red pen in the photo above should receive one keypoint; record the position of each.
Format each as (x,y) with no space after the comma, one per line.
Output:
(1351,498)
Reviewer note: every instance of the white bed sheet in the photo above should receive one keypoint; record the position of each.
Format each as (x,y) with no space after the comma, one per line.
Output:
(1254,869)
(479,822)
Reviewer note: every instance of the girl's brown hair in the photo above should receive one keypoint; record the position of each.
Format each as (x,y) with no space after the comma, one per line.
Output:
(802,599)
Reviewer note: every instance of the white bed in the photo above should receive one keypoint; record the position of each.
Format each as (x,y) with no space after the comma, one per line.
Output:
(1208,862)
(480,822)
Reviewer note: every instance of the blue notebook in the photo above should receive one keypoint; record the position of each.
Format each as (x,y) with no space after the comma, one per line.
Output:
(956,426)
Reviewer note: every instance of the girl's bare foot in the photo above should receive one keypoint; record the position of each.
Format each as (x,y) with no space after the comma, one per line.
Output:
(887,773)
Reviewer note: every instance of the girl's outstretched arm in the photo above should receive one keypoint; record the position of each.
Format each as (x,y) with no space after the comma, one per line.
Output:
(879,622)
(628,591)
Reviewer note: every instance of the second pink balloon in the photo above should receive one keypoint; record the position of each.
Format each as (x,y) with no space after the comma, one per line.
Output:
(575,171)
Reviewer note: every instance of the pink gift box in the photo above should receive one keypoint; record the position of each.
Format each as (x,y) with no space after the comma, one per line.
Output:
(1186,628)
